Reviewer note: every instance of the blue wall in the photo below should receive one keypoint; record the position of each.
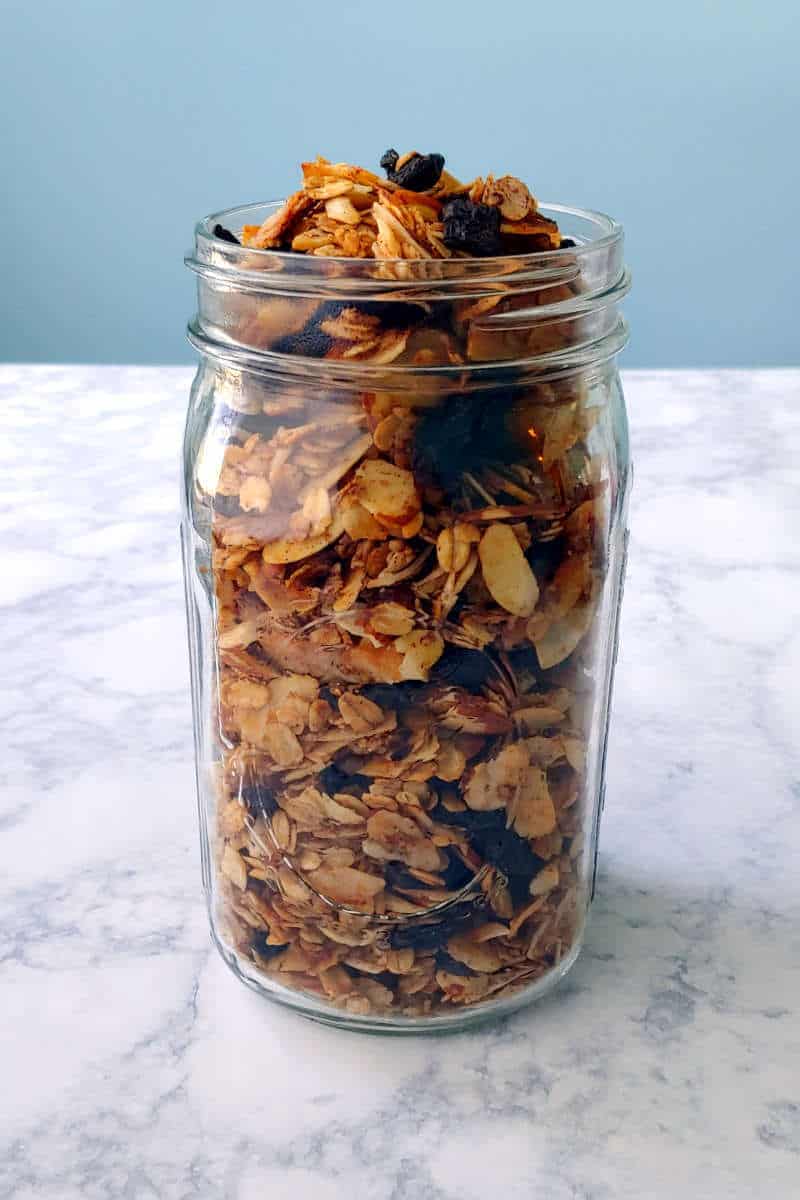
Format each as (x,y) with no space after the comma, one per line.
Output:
(126,121)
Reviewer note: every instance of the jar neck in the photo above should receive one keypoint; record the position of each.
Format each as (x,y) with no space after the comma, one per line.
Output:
(396,323)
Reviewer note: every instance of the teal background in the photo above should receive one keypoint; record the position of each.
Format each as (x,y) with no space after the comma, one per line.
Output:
(123,123)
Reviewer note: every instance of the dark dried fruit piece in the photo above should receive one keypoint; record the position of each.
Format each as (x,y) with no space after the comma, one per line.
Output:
(310,342)
(225,235)
(463,434)
(394,696)
(259,798)
(392,314)
(469,669)
(263,949)
(332,779)
(418,173)
(567,244)
(432,935)
(397,876)
(468,819)
(446,962)
(511,854)
(456,874)
(472,227)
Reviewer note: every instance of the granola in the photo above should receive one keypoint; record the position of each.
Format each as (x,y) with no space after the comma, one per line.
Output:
(418,211)
(407,588)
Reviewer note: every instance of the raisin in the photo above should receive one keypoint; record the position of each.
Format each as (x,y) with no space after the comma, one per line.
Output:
(471,227)
(512,855)
(310,342)
(461,435)
(259,798)
(469,669)
(263,948)
(469,820)
(567,244)
(332,779)
(225,235)
(430,936)
(446,962)
(395,696)
(456,874)
(545,557)
(397,875)
(392,314)
(417,174)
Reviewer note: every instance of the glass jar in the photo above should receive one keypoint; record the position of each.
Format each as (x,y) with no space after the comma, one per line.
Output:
(404,531)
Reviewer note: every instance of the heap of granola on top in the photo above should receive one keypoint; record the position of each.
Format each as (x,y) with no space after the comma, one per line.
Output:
(418,211)
(405,589)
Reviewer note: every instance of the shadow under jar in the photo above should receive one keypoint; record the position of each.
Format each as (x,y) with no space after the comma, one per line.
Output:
(404,534)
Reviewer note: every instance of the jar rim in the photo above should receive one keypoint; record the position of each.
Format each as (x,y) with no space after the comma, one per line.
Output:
(218,256)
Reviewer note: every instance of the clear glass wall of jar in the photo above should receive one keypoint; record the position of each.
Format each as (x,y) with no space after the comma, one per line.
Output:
(404,532)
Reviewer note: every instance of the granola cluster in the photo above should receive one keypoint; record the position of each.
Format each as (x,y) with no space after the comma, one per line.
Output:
(406,584)
(418,211)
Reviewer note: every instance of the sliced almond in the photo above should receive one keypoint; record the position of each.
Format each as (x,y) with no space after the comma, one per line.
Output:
(359,712)
(506,571)
(564,636)
(339,208)
(480,956)
(286,550)
(346,885)
(545,880)
(282,744)
(359,524)
(420,650)
(533,813)
(350,592)
(387,491)
(450,763)
(233,868)
(391,619)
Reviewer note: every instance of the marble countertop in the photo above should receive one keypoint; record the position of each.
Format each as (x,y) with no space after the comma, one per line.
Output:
(135,1067)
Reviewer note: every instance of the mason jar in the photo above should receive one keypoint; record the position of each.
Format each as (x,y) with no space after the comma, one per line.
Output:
(404,529)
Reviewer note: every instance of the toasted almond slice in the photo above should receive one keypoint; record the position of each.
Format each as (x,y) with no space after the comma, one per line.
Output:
(506,571)
(346,885)
(359,524)
(480,956)
(285,550)
(233,867)
(420,650)
(545,880)
(391,619)
(349,593)
(387,491)
(563,636)
(359,712)
(282,744)
(489,931)
(339,208)
(450,763)
(240,634)
(533,811)
(347,458)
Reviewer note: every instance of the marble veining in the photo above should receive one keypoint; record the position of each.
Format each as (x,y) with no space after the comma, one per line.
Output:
(135,1067)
